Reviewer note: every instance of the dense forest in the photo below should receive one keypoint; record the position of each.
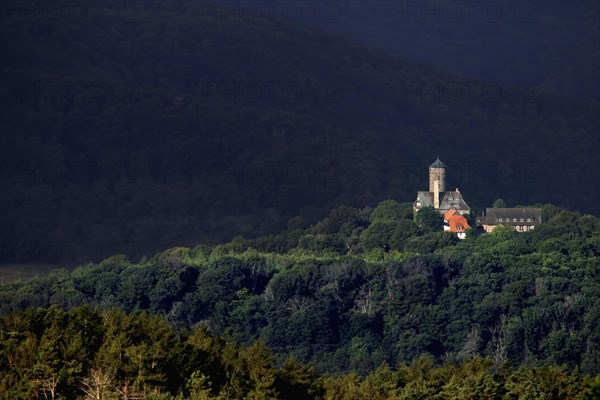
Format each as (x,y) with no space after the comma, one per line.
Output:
(134,128)
(87,354)
(364,288)
(268,147)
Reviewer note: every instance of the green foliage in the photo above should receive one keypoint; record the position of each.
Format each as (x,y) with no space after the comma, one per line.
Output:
(43,356)
(296,381)
(378,234)
(391,211)
(429,219)
(528,298)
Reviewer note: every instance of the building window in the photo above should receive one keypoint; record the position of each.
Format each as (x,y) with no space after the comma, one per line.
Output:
(499,219)
(521,219)
(514,220)
(528,219)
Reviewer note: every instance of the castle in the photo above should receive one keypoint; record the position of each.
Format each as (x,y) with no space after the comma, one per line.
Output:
(452,205)
(437,196)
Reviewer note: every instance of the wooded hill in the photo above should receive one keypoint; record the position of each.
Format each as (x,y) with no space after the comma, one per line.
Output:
(86,354)
(530,299)
(154,124)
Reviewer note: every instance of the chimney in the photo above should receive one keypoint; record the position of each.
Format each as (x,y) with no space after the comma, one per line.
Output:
(436,194)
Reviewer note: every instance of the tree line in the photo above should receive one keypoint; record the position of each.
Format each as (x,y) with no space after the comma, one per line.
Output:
(364,287)
(85,353)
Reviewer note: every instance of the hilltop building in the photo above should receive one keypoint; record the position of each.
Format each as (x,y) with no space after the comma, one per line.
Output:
(456,223)
(520,219)
(437,196)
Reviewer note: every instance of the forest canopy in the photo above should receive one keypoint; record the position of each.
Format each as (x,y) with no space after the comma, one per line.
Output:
(331,295)
(265,149)
(87,354)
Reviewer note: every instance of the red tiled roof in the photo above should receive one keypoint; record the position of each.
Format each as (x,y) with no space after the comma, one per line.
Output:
(458,221)
(449,213)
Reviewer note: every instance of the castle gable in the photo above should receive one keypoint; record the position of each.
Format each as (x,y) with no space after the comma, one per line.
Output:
(454,200)
(424,199)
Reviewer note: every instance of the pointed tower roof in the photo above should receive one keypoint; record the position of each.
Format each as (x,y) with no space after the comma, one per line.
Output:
(437,164)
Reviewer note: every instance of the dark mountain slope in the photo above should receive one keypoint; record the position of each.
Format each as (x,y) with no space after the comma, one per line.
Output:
(153,124)
(553,44)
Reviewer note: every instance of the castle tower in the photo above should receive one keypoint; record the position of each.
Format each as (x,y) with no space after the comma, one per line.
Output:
(437,181)
(437,172)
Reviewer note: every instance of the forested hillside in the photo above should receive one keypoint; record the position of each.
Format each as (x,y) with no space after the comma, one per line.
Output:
(329,294)
(86,354)
(133,128)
